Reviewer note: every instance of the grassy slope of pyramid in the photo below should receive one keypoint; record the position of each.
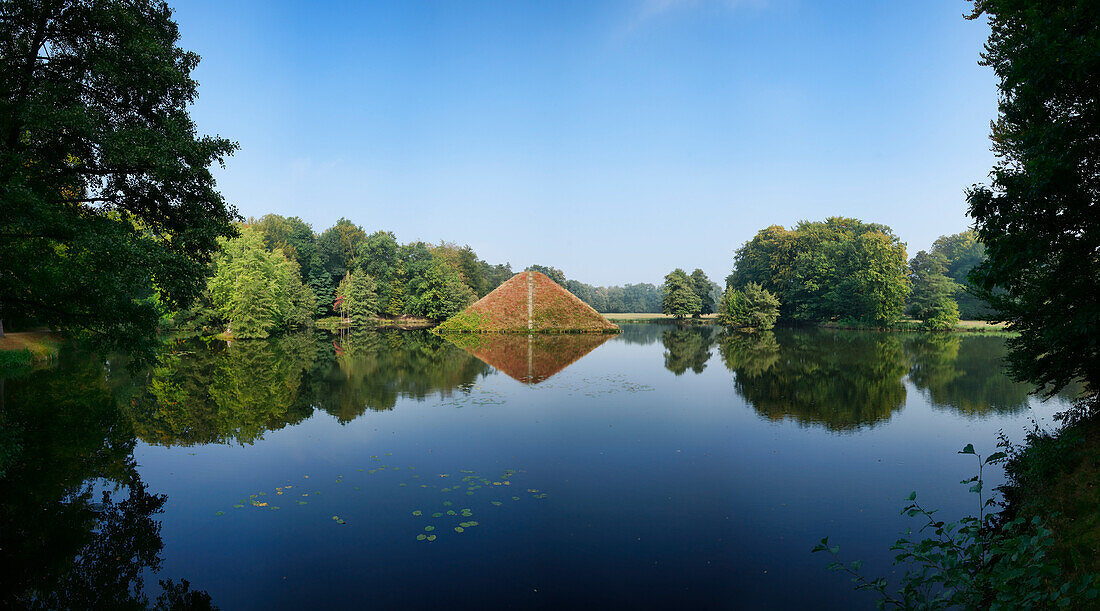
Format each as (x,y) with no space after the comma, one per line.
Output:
(504,310)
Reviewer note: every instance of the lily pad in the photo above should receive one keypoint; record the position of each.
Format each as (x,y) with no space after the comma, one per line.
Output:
(497,503)
(421,537)
(418,513)
(431,537)
(447,503)
(220,513)
(451,512)
(429,528)
(238,506)
(437,514)
(459,529)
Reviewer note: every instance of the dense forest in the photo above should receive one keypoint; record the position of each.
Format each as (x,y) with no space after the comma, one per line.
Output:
(849,271)
(278,274)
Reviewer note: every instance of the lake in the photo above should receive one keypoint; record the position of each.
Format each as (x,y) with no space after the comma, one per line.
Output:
(664,467)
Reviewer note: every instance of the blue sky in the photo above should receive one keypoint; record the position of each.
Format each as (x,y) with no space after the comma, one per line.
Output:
(615,140)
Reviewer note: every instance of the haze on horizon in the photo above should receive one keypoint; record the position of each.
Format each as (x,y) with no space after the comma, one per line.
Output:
(613,140)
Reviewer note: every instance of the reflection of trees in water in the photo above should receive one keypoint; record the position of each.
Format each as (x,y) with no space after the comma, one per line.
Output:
(225,393)
(77,527)
(965,374)
(372,370)
(840,380)
(235,393)
(749,354)
(687,348)
(641,333)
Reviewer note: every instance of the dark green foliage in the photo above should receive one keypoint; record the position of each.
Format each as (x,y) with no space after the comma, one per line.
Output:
(293,236)
(552,273)
(962,253)
(752,307)
(440,292)
(974,563)
(1038,216)
(321,284)
(680,299)
(703,288)
(839,269)
(378,258)
(358,297)
(932,298)
(110,212)
(338,247)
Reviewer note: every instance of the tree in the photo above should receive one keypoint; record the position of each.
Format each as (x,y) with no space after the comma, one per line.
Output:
(840,268)
(291,235)
(963,252)
(321,284)
(339,246)
(1038,216)
(931,300)
(358,297)
(110,213)
(680,298)
(440,292)
(377,257)
(552,273)
(701,285)
(256,291)
(753,307)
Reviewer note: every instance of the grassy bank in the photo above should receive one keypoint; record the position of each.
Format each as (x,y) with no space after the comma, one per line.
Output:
(643,317)
(26,348)
(964,326)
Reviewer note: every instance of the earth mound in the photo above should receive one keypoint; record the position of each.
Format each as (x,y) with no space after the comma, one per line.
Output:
(529,302)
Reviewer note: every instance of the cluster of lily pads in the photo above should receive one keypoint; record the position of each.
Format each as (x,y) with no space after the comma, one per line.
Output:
(482,397)
(469,483)
(591,387)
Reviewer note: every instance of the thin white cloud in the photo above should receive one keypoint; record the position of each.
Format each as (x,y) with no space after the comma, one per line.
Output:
(649,10)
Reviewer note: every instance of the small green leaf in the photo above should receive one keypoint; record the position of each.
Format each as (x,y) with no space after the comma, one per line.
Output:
(969,449)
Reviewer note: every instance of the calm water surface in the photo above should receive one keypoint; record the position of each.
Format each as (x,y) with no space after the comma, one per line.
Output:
(664,467)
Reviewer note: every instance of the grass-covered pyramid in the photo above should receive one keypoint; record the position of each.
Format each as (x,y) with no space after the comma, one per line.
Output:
(529,302)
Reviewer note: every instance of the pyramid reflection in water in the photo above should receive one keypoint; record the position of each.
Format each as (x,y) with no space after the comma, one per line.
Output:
(529,359)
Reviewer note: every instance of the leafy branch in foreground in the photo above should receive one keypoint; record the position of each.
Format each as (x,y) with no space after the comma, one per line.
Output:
(974,563)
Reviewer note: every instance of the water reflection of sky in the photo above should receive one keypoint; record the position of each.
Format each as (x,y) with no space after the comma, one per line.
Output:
(672,467)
